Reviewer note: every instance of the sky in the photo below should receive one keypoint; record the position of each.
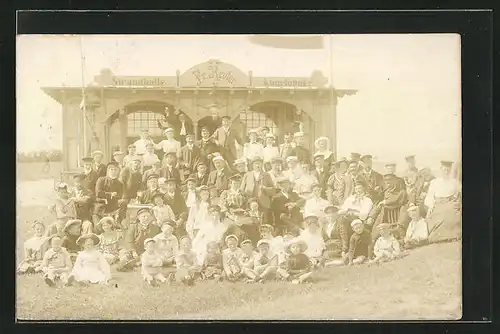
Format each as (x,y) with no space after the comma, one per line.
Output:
(408,99)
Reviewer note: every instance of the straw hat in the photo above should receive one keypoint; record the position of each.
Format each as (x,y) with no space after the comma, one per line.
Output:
(70,223)
(109,220)
(84,237)
(263,241)
(231,236)
(302,244)
(316,142)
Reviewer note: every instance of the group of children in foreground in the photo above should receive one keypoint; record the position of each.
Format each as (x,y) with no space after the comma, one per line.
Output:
(167,259)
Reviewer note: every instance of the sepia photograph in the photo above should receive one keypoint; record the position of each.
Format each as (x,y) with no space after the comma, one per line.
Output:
(239,177)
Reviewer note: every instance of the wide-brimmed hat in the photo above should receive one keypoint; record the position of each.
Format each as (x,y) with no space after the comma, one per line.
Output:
(97,152)
(88,160)
(84,237)
(316,142)
(231,236)
(37,222)
(302,244)
(148,240)
(240,161)
(110,220)
(70,223)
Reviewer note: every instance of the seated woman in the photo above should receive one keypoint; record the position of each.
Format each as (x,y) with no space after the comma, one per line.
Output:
(72,231)
(34,249)
(232,198)
(212,265)
(303,185)
(90,265)
(297,268)
(109,244)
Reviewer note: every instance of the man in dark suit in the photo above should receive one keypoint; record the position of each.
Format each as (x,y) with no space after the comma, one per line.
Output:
(226,138)
(185,128)
(207,147)
(374,181)
(285,207)
(258,184)
(99,166)
(287,147)
(171,172)
(321,173)
(219,178)
(147,196)
(212,122)
(89,176)
(109,193)
(131,177)
(189,156)
(169,120)
(302,153)
(201,174)
(174,199)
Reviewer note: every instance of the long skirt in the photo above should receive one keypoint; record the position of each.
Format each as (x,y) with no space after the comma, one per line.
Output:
(445,221)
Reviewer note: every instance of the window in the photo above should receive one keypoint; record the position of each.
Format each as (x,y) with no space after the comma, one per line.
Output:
(141,119)
(255,119)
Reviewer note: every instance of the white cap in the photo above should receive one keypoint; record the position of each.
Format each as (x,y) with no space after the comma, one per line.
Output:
(217,158)
(292,158)
(298,134)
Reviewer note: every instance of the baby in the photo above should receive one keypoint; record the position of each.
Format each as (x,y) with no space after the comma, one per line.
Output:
(298,266)
(212,265)
(231,259)
(151,264)
(56,263)
(417,232)
(167,244)
(34,249)
(386,247)
(90,265)
(247,259)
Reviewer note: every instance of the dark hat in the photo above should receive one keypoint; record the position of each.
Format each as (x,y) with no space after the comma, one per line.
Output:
(332,208)
(246,241)
(360,183)
(112,164)
(70,223)
(87,159)
(389,176)
(190,135)
(409,157)
(446,163)
(205,128)
(318,156)
(355,155)
(238,211)
(348,162)
(153,176)
(190,179)
(201,162)
(212,208)
(142,210)
(235,177)
(78,176)
(366,157)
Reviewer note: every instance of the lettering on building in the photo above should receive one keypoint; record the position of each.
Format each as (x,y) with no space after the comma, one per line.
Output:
(215,74)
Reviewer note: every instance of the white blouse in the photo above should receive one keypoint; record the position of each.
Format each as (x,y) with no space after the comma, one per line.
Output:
(169,145)
(441,188)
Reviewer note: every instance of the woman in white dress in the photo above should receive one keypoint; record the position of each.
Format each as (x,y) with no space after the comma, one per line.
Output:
(170,144)
(303,184)
(443,202)
(253,148)
(270,151)
(322,145)
(90,265)
(210,231)
(198,213)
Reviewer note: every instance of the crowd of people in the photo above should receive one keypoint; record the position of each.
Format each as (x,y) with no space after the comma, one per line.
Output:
(208,211)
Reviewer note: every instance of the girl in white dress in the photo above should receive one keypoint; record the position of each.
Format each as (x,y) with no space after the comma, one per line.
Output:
(198,213)
(270,151)
(90,265)
(210,231)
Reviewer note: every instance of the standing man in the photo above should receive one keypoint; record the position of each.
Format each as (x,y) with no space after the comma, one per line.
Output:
(171,172)
(286,148)
(411,168)
(390,168)
(89,175)
(131,156)
(99,166)
(302,153)
(185,128)
(131,177)
(140,145)
(320,173)
(109,193)
(351,178)
(207,146)
(220,176)
(188,156)
(258,184)
(226,138)
(374,181)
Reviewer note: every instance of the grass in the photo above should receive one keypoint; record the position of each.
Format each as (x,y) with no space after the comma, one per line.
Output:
(424,285)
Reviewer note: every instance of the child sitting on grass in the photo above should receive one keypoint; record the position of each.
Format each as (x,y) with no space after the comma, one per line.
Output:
(109,245)
(247,258)
(72,231)
(231,259)
(56,263)
(212,265)
(417,232)
(314,239)
(275,243)
(358,243)
(265,263)
(34,249)
(298,265)
(386,247)
(186,262)
(167,244)
(151,264)
(90,265)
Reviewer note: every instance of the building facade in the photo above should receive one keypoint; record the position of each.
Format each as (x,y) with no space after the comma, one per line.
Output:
(118,107)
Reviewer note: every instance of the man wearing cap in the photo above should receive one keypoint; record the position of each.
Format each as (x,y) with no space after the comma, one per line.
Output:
(184,128)
(189,156)
(131,177)
(139,230)
(286,148)
(98,165)
(201,174)
(351,178)
(443,202)
(240,166)
(82,197)
(174,199)
(302,153)
(320,172)
(147,196)
(226,138)
(155,170)
(276,171)
(253,148)
(258,184)
(374,181)
(89,175)
(140,144)
(118,157)
(336,184)
(109,193)
(169,165)
(286,206)
(220,176)
(207,147)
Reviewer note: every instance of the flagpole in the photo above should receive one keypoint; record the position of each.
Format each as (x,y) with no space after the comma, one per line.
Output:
(332,92)
(84,102)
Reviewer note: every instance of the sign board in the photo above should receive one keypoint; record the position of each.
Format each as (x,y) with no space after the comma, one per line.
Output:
(214,73)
